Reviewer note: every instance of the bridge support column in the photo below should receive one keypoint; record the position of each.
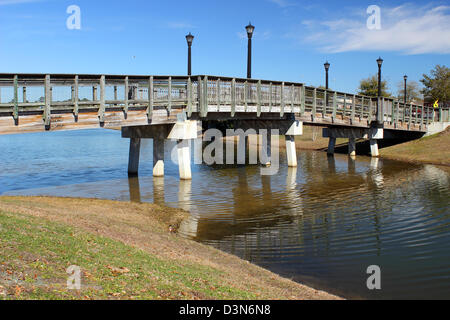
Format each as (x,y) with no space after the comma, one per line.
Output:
(374,148)
(291,151)
(266,148)
(133,160)
(352,147)
(181,131)
(158,157)
(184,160)
(331,145)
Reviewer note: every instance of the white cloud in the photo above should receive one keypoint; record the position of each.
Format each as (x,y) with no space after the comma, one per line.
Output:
(281,3)
(11,2)
(408,29)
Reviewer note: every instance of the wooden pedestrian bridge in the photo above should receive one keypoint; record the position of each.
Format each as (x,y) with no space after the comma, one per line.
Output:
(162,107)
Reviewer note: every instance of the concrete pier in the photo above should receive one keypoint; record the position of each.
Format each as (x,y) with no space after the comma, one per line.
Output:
(291,151)
(133,160)
(331,145)
(266,147)
(182,131)
(184,160)
(372,134)
(352,147)
(158,157)
(374,148)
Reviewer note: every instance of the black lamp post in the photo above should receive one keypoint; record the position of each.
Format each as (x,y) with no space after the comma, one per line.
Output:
(380,63)
(406,79)
(250,30)
(189,39)
(380,111)
(327,67)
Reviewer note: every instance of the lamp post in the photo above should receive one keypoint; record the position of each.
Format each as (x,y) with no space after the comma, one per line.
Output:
(189,39)
(250,30)
(406,79)
(380,63)
(327,67)
(380,117)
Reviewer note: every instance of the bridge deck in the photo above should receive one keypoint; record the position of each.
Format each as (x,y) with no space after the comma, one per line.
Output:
(38,102)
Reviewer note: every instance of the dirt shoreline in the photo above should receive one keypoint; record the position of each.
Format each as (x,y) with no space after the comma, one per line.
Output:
(144,227)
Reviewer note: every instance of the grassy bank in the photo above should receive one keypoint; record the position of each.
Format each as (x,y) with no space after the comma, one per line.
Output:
(434,149)
(125,251)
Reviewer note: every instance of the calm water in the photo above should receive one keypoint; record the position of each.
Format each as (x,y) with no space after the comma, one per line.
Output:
(321,224)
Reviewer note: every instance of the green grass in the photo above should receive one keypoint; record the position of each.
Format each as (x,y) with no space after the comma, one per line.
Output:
(35,253)
(433,149)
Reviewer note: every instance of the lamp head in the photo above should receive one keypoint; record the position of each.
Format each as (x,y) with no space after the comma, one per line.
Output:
(189,39)
(380,62)
(250,30)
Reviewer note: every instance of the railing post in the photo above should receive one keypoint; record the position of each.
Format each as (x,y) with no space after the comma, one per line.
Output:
(422,114)
(24,94)
(150,98)
(126,96)
(115,93)
(303,103)
(258,93)
(16,100)
(199,94)
(410,116)
(48,101)
(361,114)
(369,111)
(397,114)
(94,93)
(75,99)
(394,113)
(204,111)
(404,114)
(353,109)
(270,97)
(101,109)
(333,115)
(345,106)
(380,110)
(314,108)
(218,93)
(292,97)
(169,96)
(189,97)
(392,122)
(417,115)
(245,95)
(233,97)
(282,100)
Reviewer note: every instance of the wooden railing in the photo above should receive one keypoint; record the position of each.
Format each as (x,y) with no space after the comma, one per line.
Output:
(26,94)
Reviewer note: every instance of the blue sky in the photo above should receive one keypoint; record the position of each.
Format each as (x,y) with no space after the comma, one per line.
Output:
(292,38)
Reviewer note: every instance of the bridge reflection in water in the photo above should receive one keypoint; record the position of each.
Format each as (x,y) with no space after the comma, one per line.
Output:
(327,221)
